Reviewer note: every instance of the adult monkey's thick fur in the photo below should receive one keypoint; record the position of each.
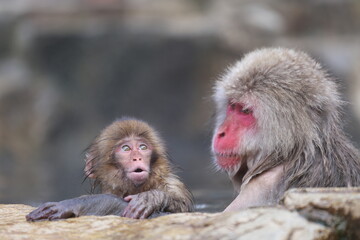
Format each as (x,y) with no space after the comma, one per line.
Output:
(298,127)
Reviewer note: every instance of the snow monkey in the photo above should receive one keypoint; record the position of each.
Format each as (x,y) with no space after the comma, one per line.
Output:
(129,163)
(278,126)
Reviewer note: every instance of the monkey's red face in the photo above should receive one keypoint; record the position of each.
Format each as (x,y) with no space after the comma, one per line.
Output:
(228,136)
(134,155)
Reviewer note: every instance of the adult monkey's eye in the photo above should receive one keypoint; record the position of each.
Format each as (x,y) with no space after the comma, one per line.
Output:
(246,111)
(126,148)
(143,147)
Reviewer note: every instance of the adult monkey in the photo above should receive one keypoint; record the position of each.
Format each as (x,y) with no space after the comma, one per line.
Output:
(278,126)
(129,162)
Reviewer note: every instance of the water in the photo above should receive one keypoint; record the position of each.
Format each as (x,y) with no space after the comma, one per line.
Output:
(207,200)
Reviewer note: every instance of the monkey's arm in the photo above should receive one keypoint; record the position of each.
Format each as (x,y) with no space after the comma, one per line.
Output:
(98,204)
(173,198)
(260,191)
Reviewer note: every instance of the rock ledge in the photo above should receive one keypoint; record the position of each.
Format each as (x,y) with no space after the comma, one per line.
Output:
(306,214)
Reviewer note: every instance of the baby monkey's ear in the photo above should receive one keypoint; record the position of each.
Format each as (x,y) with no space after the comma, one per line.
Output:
(89,165)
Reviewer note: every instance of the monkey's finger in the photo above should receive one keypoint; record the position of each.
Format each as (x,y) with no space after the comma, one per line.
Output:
(54,217)
(41,215)
(146,213)
(62,215)
(132,210)
(133,204)
(32,215)
(48,213)
(125,211)
(43,207)
(137,212)
(129,198)
(67,214)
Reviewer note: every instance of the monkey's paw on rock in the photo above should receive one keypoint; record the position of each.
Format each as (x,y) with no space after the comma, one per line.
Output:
(310,214)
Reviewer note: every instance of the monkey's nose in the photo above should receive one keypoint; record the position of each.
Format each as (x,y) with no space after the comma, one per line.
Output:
(136,159)
(221,135)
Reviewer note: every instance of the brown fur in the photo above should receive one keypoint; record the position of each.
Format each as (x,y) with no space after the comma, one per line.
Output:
(296,105)
(111,179)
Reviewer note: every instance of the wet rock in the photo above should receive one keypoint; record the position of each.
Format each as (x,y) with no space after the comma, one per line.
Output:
(258,223)
(338,208)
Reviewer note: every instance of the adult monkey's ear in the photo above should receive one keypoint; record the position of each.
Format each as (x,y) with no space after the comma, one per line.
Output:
(89,165)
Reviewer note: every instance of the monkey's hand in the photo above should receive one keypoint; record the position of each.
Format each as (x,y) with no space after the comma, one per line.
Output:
(53,211)
(144,204)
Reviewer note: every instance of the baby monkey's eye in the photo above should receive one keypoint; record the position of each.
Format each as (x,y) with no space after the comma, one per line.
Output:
(143,147)
(126,148)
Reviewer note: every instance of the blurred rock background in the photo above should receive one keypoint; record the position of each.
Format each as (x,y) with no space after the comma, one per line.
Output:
(68,68)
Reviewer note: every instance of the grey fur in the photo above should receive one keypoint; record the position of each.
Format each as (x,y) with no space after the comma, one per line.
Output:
(299,126)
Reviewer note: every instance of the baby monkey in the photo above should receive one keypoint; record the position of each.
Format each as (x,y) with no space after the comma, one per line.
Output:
(129,163)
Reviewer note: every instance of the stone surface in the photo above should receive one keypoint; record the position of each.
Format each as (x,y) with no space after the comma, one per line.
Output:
(338,208)
(257,223)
